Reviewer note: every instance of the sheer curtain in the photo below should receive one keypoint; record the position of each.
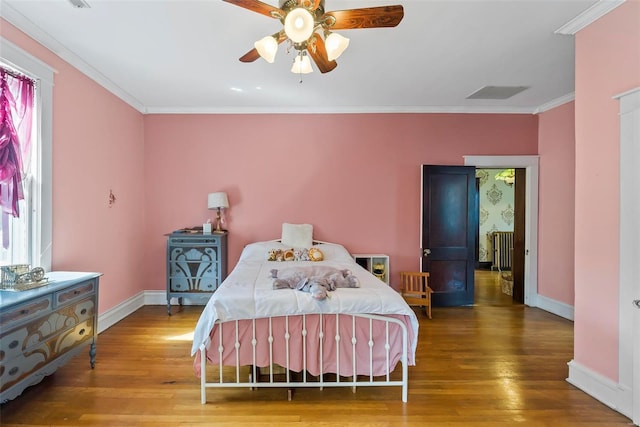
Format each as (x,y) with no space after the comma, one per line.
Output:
(16,113)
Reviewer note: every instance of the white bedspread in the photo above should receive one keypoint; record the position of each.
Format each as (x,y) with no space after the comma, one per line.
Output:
(248,293)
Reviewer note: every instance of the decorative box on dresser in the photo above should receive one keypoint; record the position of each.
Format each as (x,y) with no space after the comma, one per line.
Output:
(42,328)
(196,265)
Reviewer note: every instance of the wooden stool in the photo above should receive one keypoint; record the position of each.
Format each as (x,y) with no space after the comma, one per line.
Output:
(414,288)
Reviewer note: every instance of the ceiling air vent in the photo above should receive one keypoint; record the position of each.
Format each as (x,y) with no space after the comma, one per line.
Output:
(80,4)
(497,92)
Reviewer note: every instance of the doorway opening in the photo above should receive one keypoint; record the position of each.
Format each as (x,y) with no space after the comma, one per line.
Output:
(530,250)
(496,258)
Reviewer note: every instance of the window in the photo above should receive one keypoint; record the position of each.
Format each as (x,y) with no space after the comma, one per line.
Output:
(31,234)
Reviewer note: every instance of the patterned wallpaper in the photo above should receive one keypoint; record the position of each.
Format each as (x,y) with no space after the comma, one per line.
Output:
(496,210)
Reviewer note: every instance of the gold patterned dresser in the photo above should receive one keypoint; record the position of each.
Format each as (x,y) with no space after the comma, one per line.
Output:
(42,328)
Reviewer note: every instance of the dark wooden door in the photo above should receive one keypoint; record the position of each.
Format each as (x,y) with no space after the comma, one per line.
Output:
(449,227)
(518,256)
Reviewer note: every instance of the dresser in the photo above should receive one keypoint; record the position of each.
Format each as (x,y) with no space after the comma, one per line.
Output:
(42,328)
(196,265)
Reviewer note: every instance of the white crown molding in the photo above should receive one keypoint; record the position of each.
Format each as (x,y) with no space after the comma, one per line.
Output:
(32,30)
(344,110)
(555,103)
(595,12)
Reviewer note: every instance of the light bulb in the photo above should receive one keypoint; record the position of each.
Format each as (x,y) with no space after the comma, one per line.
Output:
(267,47)
(335,44)
(299,24)
(302,64)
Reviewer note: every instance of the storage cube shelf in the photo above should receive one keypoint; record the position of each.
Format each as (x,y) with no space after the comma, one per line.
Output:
(376,264)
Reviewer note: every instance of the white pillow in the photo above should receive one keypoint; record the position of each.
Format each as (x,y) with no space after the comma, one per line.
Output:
(297,235)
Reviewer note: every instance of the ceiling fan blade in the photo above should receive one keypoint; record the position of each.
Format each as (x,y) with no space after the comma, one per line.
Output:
(250,56)
(257,6)
(253,54)
(368,17)
(319,56)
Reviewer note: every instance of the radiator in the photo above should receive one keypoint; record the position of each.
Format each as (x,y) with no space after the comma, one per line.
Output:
(502,249)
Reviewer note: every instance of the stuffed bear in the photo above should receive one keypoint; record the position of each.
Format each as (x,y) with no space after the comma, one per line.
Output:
(275,255)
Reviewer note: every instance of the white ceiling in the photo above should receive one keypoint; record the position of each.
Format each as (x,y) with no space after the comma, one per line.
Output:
(165,56)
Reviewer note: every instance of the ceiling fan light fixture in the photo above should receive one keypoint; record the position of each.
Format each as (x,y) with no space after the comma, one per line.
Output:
(267,48)
(299,24)
(335,44)
(302,64)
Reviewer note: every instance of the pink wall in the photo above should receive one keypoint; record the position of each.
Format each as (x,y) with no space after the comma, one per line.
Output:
(607,64)
(556,147)
(97,146)
(355,177)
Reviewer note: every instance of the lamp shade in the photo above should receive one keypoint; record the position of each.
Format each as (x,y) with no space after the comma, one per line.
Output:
(302,64)
(299,24)
(267,47)
(336,44)
(218,200)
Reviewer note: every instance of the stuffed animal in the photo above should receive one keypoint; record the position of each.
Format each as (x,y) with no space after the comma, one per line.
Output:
(275,255)
(318,281)
(315,254)
(287,255)
(301,254)
(342,279)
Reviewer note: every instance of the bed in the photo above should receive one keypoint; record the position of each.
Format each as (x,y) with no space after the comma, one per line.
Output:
(252,335)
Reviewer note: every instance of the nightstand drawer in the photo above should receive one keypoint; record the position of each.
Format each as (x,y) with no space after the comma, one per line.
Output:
(74,293)
(194,240)
(20,313)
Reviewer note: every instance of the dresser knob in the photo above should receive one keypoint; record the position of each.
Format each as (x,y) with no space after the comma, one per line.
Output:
(14,370)
(24,311)
(13,344)
(81,332)
(83,311)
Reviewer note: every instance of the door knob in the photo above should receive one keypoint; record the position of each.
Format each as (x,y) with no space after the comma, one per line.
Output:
(426,252)
(636,302)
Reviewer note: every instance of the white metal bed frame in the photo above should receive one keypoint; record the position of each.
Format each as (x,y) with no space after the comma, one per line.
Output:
(321,382)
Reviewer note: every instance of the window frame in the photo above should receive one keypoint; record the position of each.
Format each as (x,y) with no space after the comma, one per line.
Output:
(41,236)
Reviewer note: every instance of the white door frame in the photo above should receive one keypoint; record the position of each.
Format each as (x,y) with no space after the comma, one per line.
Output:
(530,163)
(629,285)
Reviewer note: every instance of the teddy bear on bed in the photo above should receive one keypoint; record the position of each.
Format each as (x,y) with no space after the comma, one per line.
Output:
(317,282)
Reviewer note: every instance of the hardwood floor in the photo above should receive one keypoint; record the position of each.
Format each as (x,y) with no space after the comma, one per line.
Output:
(494,364)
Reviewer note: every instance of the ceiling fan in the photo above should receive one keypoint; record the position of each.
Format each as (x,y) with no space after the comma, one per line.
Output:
(310,30)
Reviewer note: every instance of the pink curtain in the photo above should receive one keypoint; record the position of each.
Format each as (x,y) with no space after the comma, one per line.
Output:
(16,112)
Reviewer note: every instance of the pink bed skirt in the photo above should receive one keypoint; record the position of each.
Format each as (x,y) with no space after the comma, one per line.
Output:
(377,347)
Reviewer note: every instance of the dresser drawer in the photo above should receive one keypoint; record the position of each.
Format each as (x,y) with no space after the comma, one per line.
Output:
(23,312)
(28,336)
(74,293)
(22,365)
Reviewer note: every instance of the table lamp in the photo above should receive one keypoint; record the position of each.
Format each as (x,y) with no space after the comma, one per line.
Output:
(218,201)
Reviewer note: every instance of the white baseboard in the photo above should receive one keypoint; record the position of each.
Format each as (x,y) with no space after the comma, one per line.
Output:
(556,307)
(601,388)
(120,311)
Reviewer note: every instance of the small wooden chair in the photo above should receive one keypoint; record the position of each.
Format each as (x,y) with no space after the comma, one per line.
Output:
(414,288)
